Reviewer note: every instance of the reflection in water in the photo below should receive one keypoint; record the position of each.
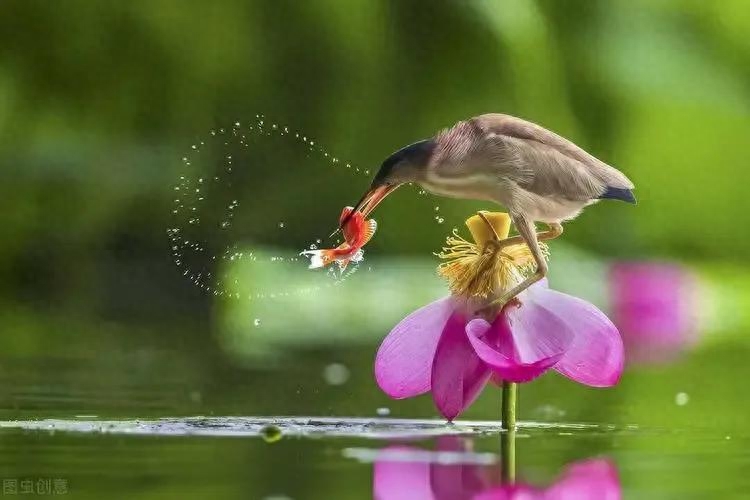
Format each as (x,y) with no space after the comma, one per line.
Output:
(453,471)
(655,306)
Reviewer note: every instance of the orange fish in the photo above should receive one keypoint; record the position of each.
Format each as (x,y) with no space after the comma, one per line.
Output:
(357,232)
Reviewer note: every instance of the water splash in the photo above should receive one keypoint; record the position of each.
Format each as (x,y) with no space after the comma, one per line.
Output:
(216,241)
(208,233)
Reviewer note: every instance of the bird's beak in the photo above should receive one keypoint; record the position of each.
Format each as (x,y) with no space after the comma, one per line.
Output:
(370,200)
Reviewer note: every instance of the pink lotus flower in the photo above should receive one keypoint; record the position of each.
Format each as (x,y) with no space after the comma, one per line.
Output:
(657,308)
(397,479)
(441,349)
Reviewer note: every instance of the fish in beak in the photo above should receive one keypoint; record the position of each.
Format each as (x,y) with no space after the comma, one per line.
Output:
(369,201)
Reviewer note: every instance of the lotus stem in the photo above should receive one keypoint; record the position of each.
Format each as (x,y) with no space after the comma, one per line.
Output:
(508,436)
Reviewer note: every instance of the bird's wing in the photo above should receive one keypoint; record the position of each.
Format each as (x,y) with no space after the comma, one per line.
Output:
(543,170)
(545,152)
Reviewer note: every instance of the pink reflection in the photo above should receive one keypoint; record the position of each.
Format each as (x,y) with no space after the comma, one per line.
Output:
(445,479)
(655,306)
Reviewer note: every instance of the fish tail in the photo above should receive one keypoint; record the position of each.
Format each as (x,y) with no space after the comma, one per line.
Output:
(318,258)
(356,258)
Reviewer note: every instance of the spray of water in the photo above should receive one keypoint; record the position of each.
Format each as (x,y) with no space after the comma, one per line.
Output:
(228,215)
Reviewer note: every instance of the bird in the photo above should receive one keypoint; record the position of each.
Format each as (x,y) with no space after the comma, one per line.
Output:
(536,174)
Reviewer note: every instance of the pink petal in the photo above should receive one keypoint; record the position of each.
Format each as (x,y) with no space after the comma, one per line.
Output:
(496,379)
(537,330)
(590,480)
(494,344)
(458,375)
(401,480)
(595,356)
(456,481)
(403,364)
(516,491)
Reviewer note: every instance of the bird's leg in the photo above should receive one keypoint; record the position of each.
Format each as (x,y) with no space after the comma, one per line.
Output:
(554,229)
(527,233)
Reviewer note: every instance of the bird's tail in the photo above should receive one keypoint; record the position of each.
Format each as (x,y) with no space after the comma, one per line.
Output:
(613,193)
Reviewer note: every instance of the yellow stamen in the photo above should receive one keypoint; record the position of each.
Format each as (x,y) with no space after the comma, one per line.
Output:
(485,268)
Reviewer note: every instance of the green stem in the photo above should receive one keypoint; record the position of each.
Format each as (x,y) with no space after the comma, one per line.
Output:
(508,436)
(510,393)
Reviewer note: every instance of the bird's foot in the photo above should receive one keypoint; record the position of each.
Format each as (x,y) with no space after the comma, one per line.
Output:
(511,295)
(497,305)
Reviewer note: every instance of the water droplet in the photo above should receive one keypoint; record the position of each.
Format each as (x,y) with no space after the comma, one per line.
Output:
(194,146)
(177,188)
(439,219)
(437,209)
(681,399)
(383,411)
(313,247)
(236,124)
(281,224)
(225,224)
(256,322)
(200,180)
(318,241)
(336,374)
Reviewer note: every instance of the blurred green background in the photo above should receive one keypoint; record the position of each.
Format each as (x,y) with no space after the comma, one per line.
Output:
(99,101)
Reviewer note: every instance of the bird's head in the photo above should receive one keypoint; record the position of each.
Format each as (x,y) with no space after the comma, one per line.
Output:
(408,164)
